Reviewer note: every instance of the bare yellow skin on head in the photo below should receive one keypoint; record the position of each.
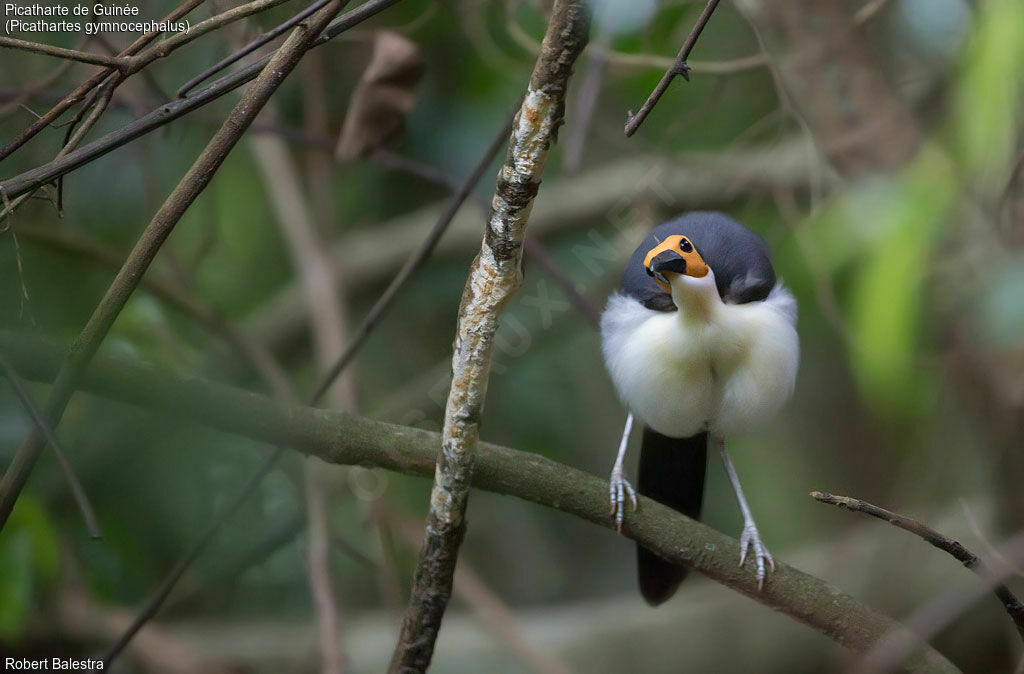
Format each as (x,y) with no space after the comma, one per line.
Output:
(695,265)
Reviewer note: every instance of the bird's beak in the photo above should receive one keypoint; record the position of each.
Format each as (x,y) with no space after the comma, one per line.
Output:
(668,257)
(668,260)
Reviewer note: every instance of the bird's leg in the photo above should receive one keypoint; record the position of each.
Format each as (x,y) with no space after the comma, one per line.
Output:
(619,487)
(750,537)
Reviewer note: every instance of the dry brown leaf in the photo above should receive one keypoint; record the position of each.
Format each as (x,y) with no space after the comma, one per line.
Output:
(384,96)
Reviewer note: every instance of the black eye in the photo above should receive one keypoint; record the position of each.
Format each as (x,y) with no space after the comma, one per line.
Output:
(685,246)
(648,270)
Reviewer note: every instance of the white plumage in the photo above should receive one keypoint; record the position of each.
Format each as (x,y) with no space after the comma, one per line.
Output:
(723,368)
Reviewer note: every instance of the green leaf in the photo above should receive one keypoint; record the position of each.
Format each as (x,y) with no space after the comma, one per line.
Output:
(988,97)
(888,290)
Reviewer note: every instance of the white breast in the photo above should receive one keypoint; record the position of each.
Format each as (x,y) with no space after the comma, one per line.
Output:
(727,374)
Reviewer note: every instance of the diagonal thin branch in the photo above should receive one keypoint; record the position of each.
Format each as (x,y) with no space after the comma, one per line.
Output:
(494,277)
(77,490)
(83,89)
(246,50)
(1006,597)
(342,438)
(127,279)
(33,178)
(679,67)
(163,48)
(415,261)
(60,52)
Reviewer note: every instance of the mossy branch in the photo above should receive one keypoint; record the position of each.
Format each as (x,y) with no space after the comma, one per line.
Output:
(343,438)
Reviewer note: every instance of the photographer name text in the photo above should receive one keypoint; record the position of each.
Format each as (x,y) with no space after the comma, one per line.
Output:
(52,665)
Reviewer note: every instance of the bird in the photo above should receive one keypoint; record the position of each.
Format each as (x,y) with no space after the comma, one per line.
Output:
(700,343)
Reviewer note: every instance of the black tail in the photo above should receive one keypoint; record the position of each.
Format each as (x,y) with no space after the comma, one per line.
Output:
(671,472)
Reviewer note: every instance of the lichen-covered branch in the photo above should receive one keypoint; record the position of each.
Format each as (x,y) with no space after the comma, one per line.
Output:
(343,438)
(495,275)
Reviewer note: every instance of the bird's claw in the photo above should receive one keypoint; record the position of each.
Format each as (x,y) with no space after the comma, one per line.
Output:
(618,488)
(750,538)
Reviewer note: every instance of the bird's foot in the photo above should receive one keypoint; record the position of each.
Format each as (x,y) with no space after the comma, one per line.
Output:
(750,538)
(618,488)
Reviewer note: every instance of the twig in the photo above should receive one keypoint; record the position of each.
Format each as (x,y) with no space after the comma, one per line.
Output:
(60,52)
(127,279)
(75,136)
(342,438)
(734,66)
(128,65)
(77,490)
(169,112)
(147,76)
(168,45)
(1009,601)
(415,261)
(494,277)
(679,67)
(130,61)
(34,87)
(83,89)
(246,50)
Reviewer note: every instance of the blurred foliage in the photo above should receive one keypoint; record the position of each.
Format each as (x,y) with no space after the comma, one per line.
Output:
(884,270)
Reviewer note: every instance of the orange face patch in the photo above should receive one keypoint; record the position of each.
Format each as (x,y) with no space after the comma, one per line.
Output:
(695,265)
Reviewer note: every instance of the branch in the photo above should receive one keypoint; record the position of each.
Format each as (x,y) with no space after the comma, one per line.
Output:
(416,260)
(77,490)
(246,50)
(597,199)
(1009,601)
(67,54)
(734,66)
(30,180)
(494,277)
(679,67)
(83,89)
(339,437)
(165,47)
(127,279)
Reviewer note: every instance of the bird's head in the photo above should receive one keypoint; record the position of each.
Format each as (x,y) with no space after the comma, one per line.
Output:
(674,257)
